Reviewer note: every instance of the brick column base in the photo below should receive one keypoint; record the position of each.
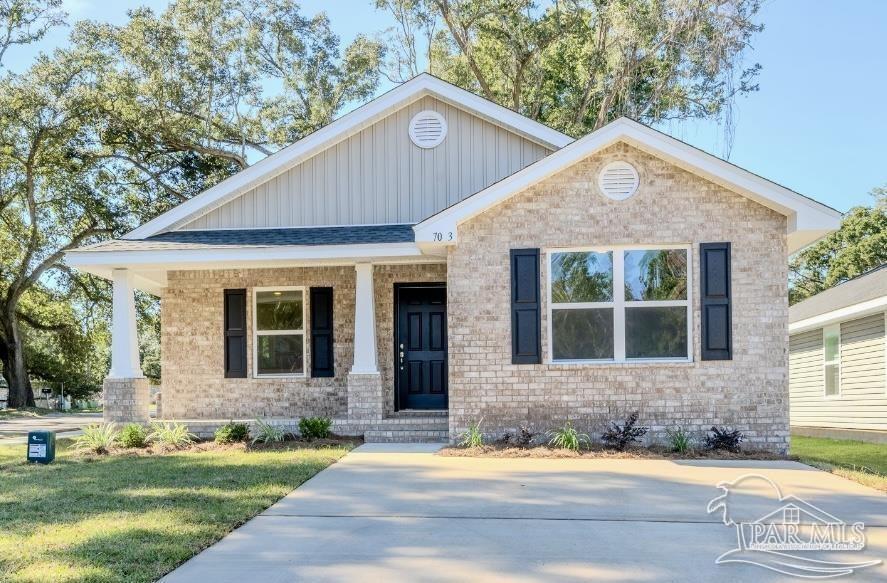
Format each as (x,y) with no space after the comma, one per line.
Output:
(126,400)
(365,397)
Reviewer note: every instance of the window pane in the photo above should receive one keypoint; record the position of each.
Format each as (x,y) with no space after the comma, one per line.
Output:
(581,277)
(280,354)
(832,382)
(582,334)
(831,340)
(656,274)
(279,310)
(656,332)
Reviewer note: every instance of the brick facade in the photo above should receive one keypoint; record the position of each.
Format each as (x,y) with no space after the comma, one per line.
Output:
(566,210)
(192,348)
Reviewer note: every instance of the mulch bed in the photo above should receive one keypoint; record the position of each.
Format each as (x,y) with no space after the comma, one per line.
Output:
(597,452)
(202,446)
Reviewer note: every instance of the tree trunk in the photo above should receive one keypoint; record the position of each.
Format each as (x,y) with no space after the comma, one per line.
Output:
(14,370)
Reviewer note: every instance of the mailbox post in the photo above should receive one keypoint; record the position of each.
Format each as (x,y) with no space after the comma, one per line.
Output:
(41,446)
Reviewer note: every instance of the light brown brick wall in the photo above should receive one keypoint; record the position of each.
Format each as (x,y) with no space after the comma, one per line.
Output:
(671,206)
(192,347)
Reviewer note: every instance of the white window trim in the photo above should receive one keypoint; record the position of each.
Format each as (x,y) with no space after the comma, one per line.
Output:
(835,328)
(618,304)
(256,334)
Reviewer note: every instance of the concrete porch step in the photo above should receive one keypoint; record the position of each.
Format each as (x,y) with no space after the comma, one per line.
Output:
(406,435)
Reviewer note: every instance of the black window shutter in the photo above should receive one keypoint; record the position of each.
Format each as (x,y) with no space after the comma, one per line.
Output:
(322,332)
(235,333)
(717,333)
(526,314)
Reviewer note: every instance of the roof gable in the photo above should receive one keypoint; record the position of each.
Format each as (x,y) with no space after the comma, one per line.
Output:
(344,127)
(808,220)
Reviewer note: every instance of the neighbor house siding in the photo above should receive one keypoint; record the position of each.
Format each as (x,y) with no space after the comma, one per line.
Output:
(379,176)
(862,402)
(672,206)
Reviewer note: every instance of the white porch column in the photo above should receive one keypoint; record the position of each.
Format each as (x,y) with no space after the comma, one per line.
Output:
(124,337)
(364,322)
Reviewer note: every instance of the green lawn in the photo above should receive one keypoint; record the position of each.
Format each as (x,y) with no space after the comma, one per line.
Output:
(134,518)
(857,460)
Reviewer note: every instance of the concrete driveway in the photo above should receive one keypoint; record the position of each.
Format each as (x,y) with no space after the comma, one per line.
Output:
(401,513)
(15,429)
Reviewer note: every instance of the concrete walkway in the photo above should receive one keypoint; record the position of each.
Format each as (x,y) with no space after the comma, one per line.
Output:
(401,513)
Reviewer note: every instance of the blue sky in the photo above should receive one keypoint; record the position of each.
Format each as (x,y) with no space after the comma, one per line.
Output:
(818,125)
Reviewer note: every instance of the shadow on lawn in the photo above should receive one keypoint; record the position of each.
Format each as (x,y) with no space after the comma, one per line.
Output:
(137,516)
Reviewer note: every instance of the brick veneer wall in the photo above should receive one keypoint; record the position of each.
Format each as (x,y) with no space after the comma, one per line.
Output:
(671,206)
(194,386)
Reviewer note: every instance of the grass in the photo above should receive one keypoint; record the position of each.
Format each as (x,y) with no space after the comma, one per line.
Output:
(135,517)
(860,461)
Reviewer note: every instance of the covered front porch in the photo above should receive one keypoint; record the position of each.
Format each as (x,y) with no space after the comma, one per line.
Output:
(251,337)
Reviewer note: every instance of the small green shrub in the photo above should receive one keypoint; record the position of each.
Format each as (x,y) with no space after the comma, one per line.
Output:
(174,435)
(567,437)
(267,433)
(473,436)
(619,437)
(133,435)
(232,432)
(97,438)
(679,439)
(315,427)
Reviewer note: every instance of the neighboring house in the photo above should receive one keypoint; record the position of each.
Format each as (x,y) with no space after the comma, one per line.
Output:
(433,259)
(837,356)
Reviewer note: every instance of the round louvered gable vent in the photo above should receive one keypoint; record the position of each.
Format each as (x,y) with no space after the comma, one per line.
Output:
(428,129)
(618,180)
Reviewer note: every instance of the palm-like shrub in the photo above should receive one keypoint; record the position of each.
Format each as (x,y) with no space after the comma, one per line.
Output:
(267,433)
(173,435)
(567,437)
(679,439)
(472,436)
(97,438)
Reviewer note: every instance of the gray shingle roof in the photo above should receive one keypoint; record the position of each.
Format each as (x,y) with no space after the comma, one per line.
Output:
(308,236)
(868,286)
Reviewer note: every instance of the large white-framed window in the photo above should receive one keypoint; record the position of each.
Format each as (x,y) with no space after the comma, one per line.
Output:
(278,331)
(831,367)
(620,304)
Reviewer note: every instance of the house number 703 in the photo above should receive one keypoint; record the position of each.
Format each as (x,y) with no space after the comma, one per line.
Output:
(440,236)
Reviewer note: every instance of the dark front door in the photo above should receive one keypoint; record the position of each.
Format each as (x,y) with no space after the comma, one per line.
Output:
(420,346)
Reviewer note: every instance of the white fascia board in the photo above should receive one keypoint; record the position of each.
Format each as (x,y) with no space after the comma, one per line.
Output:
(808,219)
(182,258)
(340,129)
(840,315)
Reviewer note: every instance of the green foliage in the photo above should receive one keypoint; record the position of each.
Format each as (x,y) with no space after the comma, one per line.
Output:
(679,439)
(315,427)
(97,438)
(133,435)
(174,435)
(267,433)
(577,65)
(473,437)
(232,432)
(567,437)
(858,246)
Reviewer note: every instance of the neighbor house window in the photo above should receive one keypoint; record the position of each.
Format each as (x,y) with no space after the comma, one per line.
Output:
(831,348)
(279,331)
(620,304)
